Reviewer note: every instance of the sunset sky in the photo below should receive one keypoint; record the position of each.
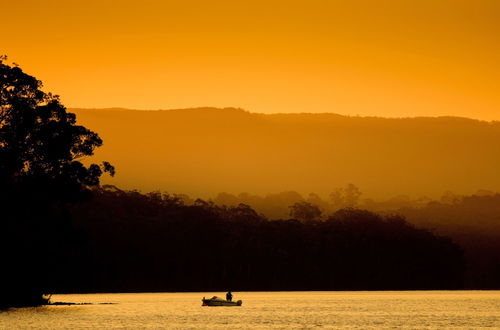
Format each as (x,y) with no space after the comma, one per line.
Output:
(358,57)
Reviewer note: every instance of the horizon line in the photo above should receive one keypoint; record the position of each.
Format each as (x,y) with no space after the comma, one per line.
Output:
(284,113)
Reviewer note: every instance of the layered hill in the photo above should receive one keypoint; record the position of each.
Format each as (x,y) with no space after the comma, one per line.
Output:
(205,151)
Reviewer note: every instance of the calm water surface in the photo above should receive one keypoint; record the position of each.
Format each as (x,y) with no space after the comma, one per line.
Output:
(266,310)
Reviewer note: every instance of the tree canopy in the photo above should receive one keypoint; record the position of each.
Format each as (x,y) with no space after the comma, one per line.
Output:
(41,171)
(39,139)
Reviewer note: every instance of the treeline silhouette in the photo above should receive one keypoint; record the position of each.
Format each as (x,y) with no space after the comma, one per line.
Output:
(277,205)
(155,242)
(470,221)
(474,223)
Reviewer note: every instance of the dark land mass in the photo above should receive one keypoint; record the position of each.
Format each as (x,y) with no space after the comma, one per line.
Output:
(473,222)
(136,242)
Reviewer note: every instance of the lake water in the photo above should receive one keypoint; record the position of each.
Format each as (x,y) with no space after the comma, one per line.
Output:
(266,310)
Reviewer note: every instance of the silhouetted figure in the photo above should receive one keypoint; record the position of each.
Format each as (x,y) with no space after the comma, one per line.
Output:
(229,296)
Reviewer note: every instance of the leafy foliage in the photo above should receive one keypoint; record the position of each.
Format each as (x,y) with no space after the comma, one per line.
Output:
(39,138)
(41,172)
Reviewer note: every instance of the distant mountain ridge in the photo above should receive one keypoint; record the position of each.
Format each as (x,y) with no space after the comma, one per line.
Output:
(234,110)
(203,151)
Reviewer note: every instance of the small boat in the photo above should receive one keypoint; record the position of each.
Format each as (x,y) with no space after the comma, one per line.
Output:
(216,301)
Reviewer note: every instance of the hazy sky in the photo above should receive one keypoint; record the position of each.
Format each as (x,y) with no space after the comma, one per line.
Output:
(379,57)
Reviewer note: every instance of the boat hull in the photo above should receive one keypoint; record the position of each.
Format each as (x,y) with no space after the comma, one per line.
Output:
(217,302)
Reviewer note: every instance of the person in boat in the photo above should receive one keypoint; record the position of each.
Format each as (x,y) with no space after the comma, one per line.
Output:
(229,296)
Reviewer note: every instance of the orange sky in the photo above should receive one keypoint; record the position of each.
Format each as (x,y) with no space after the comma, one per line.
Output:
(366,57)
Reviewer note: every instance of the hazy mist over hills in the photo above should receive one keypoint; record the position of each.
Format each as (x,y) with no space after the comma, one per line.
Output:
(205,151)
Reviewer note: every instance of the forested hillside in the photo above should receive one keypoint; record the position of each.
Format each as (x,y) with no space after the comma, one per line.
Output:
(205,151)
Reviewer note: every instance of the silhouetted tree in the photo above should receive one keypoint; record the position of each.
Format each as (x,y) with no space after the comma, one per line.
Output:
(345,197)
(352,195)
(305,212)
(41,148)
(39,138)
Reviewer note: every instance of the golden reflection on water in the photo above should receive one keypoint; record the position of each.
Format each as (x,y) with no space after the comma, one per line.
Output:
(264,310)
